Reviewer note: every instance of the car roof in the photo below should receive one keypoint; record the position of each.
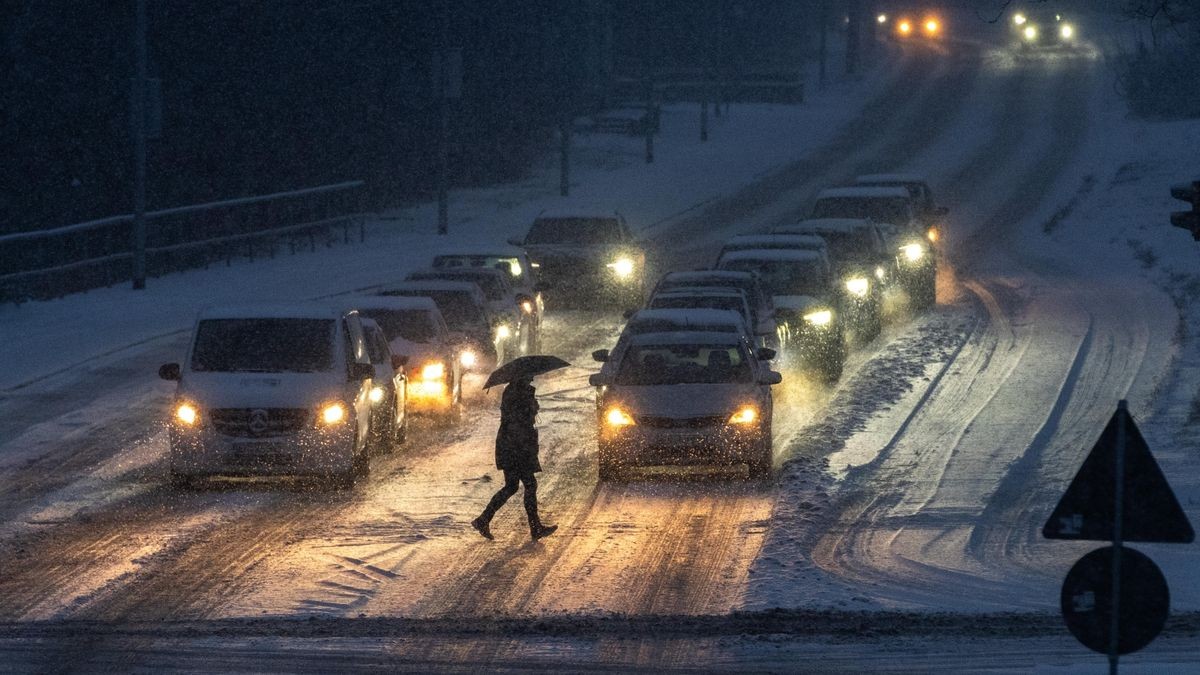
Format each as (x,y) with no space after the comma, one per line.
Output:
(433,285)
(298,310)
(498,251)
(780,239)
(686,317)
(684,337)
(694,276)
(793,255)
(867,179)
(391,302)
(863,192)
(435,273)
(827,225)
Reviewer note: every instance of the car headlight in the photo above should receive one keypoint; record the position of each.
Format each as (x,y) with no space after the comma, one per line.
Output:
(468,358)
(933,234)
(904,27)
(880,273)
(1030,33)
(503,332)
(858,286)
(1067,31)
(334,413)
(434,371)
(881,19)
(527,307)
(187,414)
(932,26)
(747,414)
(912,252)
(376,394)
(1019,19)
(514,268)
(615,417)
(819,318)
(623,267)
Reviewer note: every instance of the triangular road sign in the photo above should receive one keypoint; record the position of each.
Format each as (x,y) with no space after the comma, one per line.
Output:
(1150,511)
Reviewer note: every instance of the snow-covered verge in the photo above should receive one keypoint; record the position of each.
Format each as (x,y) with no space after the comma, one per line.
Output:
(608,174)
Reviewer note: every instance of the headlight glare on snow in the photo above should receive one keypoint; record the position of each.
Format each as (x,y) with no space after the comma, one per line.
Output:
(819,318)
(913,252)
(615,417)
(858,286)
(747,414)
(187,414)
(623,267)
(333,413)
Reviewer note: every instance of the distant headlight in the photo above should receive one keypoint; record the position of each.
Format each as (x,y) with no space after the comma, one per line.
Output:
(1019,19)
(376,394)
(858,286)
(880,273)
(904,27)
(819,318)
(933,234)
(514,268)
(1067,31)
(503,332)
(527,307)
(435,370)
(745,415)
(334,413)
(913,252)
(623,267)
(932,26)
(1030,33)
(615,417)
(882,18)
(187,414)
(468,358)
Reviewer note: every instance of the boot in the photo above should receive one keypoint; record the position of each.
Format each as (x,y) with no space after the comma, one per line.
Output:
(539,531)
(483,527)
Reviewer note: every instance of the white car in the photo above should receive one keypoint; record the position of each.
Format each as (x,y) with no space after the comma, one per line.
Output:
(415,329)
(686,398)
(272,390)
(522,276)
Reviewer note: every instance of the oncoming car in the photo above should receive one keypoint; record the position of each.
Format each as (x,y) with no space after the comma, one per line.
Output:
(587,258)
(1041,28)
(683,398)
(272,390)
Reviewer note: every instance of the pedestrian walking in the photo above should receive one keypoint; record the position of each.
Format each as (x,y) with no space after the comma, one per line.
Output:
(517,457)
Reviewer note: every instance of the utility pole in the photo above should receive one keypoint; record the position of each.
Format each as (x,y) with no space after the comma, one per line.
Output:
(442,82)
(139,151)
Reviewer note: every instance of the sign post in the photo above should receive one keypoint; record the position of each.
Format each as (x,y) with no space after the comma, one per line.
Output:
(1115,600)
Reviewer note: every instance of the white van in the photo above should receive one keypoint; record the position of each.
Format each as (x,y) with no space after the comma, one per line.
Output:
(272,390)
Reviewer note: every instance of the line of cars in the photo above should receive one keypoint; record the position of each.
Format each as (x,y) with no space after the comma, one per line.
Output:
(317,388)
(689,379)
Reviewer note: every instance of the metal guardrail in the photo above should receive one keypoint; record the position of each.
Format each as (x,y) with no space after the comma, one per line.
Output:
(52,263)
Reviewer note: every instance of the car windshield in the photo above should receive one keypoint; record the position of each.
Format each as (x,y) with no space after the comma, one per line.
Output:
(263,345)
(848,245)
(574,231)
(506,264)
(457,307)
(413,325)
(684,364)
(880,209)
(491,285)
(731,302)
(785,277)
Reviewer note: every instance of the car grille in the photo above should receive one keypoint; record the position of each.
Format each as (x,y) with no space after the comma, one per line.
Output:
(684,423)
(258,422)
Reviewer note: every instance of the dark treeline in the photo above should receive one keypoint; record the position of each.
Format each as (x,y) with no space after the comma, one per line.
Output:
(261,96)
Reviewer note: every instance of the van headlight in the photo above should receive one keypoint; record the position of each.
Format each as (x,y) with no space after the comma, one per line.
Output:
(434,371)
(333,414)
(858,286)
(622,267)
(187,414)
(819,318)
(503,332)
(745,415)
(913,252)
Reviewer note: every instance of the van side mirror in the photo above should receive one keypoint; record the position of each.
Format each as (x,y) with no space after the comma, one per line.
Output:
(516,241)
(399,361)
(770,377)
(600,355)
(170,372)
(361,371)
(765,353)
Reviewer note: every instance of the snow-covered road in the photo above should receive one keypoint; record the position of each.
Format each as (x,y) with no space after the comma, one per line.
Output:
(920,483)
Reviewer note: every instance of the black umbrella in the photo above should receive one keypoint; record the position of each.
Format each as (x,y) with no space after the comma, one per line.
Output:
(524,367)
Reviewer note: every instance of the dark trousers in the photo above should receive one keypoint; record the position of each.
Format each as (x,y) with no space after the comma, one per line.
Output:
(511,479)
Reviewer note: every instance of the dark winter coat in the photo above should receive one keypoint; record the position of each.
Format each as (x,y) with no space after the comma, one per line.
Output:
(517,440)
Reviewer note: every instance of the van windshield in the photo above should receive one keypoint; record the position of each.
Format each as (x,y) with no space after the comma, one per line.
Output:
(263,345)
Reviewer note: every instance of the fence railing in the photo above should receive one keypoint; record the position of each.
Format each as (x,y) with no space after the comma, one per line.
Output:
(52,263)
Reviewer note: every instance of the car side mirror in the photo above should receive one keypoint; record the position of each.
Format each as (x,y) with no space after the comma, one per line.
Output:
(770,377)
(361,371)
(170,372)
(941,211)
(600,355)
(598,380)
(516,241)
(399,361)
(765,353)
